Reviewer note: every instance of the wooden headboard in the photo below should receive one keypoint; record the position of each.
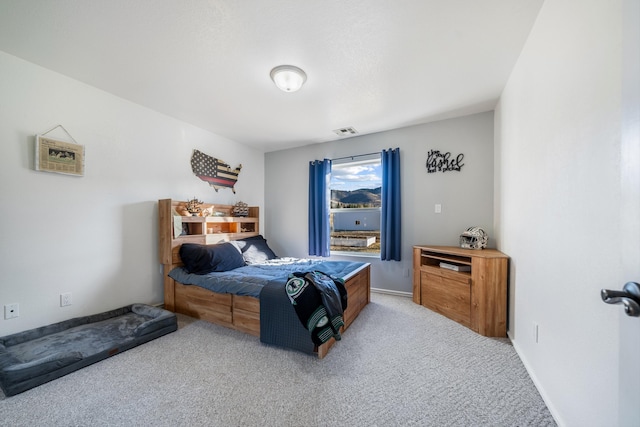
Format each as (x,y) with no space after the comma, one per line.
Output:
(217,225)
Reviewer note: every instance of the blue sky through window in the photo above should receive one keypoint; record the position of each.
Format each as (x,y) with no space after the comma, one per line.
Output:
(355,175)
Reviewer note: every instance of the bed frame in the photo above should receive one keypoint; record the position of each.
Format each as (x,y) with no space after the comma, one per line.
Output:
(236,312)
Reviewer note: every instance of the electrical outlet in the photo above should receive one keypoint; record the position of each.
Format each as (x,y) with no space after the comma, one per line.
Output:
(65,299)
(11,311)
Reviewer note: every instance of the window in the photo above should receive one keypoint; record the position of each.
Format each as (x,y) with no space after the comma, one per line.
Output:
(355,205)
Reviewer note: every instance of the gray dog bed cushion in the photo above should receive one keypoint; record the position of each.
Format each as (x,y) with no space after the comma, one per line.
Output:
(33,357)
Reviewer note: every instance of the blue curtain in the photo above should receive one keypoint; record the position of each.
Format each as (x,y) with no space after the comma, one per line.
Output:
(319,204)
(390,230)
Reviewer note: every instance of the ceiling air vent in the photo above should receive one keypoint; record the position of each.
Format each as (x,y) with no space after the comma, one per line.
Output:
(345,131)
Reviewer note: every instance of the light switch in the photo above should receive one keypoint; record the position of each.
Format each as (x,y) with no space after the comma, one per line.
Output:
(438,208)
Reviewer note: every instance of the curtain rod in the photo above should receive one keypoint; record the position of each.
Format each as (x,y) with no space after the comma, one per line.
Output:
(353,157)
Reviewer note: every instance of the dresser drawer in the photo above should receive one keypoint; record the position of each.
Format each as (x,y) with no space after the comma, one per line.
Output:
(458,276)
(448,296)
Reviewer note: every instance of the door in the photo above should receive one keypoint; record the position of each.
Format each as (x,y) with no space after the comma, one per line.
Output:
(629,374)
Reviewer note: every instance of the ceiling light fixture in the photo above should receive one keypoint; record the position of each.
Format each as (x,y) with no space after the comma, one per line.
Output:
(288,77)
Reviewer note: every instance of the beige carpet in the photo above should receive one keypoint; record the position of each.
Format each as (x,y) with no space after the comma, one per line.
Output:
(398,364)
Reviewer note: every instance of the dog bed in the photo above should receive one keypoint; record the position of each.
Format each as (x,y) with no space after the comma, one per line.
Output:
(33,357)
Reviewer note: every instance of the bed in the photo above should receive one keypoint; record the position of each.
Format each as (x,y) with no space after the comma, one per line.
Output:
(249,298)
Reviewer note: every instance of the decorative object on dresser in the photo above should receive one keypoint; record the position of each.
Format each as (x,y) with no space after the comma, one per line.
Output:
(246,294)
(474,238)
(465,285)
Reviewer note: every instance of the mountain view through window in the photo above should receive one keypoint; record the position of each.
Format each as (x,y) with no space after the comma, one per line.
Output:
(355,205)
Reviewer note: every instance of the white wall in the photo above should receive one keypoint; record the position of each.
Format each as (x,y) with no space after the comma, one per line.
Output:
(557,211)
(94,236)
(466,196)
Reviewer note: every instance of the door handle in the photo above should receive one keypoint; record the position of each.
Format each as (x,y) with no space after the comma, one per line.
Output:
(629,297)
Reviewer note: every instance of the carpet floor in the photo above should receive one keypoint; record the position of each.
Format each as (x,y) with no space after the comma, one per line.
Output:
(398,364)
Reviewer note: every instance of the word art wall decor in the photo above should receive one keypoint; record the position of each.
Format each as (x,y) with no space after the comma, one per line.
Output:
(213,171)
(438,162)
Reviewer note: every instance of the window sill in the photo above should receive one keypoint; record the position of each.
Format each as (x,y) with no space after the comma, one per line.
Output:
(356,254)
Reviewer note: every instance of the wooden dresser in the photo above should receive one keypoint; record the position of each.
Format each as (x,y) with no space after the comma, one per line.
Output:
(472,290)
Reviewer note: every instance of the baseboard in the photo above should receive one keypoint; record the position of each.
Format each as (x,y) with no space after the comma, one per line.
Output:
(536,383)
(396,293)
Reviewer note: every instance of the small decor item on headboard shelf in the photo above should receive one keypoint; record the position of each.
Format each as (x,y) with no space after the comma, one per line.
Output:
(439,162)
(193,206)
(240,209)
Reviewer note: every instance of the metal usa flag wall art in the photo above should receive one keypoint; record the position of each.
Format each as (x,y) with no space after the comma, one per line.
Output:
(214,172)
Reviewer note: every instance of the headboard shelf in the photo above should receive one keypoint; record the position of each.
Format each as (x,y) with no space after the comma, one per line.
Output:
(176,229)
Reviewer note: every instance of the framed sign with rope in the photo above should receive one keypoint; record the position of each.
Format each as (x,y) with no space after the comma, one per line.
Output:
(53,155)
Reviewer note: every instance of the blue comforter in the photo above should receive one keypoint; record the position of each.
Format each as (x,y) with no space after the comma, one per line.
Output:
(249,280)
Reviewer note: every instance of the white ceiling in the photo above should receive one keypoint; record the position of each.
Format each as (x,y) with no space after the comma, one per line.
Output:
(373,65)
